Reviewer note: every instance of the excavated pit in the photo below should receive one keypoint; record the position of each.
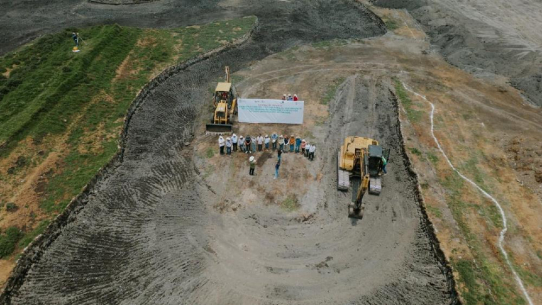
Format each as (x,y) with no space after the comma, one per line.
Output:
(148,231)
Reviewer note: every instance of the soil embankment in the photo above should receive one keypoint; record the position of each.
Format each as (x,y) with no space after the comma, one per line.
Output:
(486,38)
(147,230)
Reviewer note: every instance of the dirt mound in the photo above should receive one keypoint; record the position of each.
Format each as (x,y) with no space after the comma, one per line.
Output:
(485,37)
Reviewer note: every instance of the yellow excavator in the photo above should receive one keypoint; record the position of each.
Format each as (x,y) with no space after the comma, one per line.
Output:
(225,103)
(360,164)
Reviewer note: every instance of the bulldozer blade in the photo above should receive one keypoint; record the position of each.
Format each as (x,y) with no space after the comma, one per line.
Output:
(355,213)
(218,128)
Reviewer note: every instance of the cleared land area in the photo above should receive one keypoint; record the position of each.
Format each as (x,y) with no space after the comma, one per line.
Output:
(174,222)
(154,217)
(62,113)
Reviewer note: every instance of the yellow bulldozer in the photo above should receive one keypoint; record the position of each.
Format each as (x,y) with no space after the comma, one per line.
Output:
(360,165)
(225,107)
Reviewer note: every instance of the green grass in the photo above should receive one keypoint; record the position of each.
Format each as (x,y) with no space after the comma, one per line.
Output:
(412,114)
(415,151)
(391,25)
(8,241)
(488,275)
(467,274)
(29,236)
(210,152)
(432,157)
(53,93)
(435,211)
(290,204)
(331,90)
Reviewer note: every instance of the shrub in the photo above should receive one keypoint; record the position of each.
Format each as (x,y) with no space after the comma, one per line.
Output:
(9,240)
(11,207)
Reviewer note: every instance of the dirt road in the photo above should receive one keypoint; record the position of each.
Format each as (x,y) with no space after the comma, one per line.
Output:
(313,253)
(150,233)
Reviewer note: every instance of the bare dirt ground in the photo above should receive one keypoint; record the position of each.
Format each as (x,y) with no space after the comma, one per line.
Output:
(491,136)
(487,38)
(226,238)
(172,225)
(313,253)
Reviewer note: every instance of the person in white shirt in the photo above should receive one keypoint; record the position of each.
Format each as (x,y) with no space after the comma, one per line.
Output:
(228,146)
(274,137)
(266,141)
(234,141)
(221,144)
(241,143)
(311,152)
(260,142)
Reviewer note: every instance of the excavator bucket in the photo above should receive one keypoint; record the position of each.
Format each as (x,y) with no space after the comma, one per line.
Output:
(353,212)
(218,128)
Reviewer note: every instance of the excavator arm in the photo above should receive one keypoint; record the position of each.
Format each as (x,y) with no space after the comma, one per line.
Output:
(357,208)
(361,191)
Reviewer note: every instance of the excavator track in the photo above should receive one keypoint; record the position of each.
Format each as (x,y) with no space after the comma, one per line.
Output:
(343,177)
(375,186)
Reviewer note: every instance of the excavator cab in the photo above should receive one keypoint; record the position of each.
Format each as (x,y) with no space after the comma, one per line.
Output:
(374,160)
(360,167)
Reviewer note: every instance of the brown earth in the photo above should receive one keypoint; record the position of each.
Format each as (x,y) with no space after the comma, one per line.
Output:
(490,134)
(482,126)
(224,237)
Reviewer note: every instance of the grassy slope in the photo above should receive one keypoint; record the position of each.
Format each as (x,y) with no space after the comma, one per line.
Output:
(482,278)
(71,106)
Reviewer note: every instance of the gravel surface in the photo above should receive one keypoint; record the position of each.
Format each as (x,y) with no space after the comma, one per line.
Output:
(146,233)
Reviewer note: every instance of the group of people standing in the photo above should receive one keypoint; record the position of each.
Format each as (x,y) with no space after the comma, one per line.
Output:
(290,97)
(250,144)
(282,144)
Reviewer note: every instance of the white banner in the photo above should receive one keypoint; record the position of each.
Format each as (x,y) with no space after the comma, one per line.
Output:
(270,111)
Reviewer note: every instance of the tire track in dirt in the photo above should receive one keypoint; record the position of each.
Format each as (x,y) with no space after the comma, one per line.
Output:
(144,232)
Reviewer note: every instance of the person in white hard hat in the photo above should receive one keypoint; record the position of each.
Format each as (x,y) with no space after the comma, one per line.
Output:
(241,143)
(311,152)
(281,142)
(260,142)
(290,97)
(221,144)
(266,142)
(228,146)
(274,138)
(234,141)
(252,163)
